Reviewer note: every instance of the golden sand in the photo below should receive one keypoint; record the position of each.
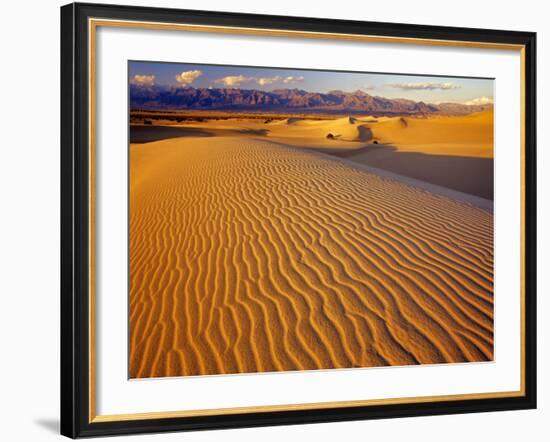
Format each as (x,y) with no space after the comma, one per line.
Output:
(450,151)
(247,255)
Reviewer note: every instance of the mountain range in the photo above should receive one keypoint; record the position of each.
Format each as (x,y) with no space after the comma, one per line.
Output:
(285,100)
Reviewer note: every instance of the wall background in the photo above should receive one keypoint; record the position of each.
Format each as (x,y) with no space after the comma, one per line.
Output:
(29,220)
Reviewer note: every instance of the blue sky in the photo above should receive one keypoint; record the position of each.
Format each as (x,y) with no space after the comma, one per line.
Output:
(415,87)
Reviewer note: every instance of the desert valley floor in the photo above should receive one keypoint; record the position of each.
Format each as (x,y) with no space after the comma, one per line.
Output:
(268,247)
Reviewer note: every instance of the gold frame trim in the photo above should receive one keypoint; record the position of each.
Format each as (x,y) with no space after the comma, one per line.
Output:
(93,24)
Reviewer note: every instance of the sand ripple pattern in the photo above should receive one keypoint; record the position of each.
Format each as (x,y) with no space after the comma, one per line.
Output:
(246,256)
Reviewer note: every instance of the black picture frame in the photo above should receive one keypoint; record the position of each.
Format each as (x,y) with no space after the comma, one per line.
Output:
(75,219)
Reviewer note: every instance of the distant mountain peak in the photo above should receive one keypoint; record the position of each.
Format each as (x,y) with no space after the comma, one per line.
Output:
(285,100)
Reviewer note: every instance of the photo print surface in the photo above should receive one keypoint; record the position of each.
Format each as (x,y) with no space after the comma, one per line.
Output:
(284,219)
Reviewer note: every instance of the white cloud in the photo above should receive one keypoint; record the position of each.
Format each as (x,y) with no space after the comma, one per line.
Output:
(291,79)
(187,77)
(233,80)
(262,81)
(143,80)
(479,100)
(424,86)
(236,80)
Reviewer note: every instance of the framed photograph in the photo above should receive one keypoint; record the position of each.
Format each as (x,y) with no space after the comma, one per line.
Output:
(279,220)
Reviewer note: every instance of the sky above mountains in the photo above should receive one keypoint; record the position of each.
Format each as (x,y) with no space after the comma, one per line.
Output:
(429,89)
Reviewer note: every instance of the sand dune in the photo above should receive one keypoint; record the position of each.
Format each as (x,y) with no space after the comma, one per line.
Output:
(341,129)
(472,175)
(466,136)
(454,152)
(248,256)
(470,135)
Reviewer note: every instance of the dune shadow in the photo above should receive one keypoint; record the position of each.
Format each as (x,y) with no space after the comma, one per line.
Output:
(147,134)
(260,132)
(365,133)
(471,175)
(347,153)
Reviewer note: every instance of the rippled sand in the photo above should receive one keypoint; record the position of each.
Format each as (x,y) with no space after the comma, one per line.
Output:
(249,256)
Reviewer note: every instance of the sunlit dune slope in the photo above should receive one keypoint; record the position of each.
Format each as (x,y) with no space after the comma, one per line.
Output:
(470,135)
(341,129)
(467,135)
(246,256)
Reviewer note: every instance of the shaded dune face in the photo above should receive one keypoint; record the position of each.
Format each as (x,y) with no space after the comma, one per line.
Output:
(246,256)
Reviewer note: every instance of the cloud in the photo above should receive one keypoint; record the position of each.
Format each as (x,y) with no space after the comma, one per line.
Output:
(423,86)
(233,80)
(236,80)
(187,77)
(143,80)
(263,81)
(368,87)
(291,79)
(479,100)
